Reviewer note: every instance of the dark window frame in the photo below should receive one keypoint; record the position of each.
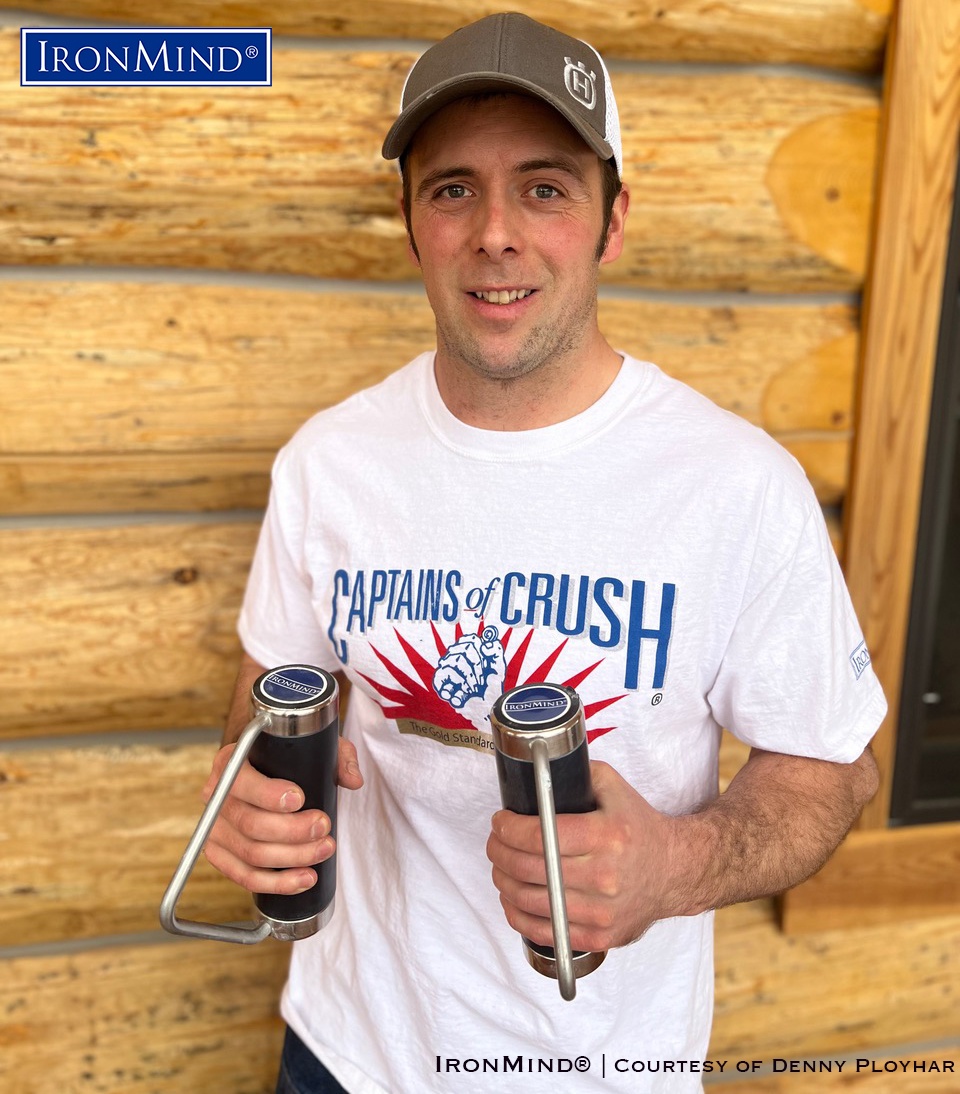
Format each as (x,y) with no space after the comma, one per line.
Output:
(909,805)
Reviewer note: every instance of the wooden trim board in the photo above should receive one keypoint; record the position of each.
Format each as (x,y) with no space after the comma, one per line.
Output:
(901,316)
(880,876)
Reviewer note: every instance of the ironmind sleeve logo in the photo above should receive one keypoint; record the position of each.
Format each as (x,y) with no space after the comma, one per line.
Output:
(610,613)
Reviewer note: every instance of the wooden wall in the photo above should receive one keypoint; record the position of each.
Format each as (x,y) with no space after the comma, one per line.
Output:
(185,275)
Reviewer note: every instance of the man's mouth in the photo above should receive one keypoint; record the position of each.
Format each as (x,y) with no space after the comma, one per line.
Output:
(502,296)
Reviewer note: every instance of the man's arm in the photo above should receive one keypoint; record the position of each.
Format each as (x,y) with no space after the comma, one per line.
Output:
(627,865)
(779,821)
(240,713)
(260,840)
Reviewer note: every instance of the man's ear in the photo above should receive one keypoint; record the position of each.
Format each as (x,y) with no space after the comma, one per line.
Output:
(618,220)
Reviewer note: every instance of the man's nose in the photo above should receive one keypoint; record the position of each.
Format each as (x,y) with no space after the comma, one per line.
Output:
(496,227)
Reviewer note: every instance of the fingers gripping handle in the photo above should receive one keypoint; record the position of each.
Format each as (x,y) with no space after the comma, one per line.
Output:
(218,932)
(293,735)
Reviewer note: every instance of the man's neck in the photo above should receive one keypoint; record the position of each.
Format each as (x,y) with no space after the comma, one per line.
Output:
(554,392)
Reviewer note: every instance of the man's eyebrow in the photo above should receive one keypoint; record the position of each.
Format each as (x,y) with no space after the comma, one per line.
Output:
(568,165)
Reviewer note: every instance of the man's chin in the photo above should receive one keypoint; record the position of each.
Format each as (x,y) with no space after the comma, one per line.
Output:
(504,366)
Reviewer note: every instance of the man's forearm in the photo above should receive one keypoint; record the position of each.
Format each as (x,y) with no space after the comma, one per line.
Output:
(240,712)
(778,822)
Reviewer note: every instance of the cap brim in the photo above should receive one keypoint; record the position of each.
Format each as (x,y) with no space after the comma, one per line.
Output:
(411,118)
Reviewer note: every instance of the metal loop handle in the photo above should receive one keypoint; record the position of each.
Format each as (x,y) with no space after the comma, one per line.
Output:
(551,853)
(217,932)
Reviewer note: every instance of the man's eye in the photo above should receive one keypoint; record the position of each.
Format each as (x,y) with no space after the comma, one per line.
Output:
(455,191)
(544,191)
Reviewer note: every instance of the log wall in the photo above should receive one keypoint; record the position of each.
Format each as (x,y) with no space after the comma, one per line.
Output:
(165,258)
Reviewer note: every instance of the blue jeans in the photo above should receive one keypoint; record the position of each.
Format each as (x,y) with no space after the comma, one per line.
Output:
(301,1072)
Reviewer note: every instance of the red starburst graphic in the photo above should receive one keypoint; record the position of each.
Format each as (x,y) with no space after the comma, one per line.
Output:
(415,697)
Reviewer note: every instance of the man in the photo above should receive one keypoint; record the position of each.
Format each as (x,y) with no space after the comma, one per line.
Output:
(530,504)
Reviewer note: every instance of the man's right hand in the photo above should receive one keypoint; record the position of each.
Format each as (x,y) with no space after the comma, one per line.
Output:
(260,840)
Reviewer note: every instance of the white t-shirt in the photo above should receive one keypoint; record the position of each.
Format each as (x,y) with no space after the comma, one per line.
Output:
(662,556)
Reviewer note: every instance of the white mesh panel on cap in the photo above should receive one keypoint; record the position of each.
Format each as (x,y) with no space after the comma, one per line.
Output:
(611,123)
(612,133)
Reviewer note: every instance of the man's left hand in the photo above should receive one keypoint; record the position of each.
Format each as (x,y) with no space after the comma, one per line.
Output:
(616,865)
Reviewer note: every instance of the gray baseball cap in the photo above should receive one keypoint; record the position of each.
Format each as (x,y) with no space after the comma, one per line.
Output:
(511,52)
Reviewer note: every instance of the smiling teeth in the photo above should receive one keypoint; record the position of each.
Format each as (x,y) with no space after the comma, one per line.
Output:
(501,296)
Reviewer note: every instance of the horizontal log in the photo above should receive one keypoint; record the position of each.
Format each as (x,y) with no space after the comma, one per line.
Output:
(834,33)
(126,814)
(880,876)
(834,993)
(740,180)
(189,368)
(178,401)
(180,1018)
(122,481)
(200,1016)
(120,628)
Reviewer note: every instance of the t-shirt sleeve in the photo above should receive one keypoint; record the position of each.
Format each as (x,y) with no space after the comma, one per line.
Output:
(796,675)
(277,623)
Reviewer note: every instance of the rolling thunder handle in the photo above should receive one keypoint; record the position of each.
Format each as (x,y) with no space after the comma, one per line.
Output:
(294,734)
(540,737)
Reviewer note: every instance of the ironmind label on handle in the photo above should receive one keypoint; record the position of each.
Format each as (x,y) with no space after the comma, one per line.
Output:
(295,685)
(536,704)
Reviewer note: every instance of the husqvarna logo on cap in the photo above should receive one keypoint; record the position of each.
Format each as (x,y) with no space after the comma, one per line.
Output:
(581,84)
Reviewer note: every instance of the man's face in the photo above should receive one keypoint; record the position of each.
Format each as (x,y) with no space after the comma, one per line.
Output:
(506,205)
